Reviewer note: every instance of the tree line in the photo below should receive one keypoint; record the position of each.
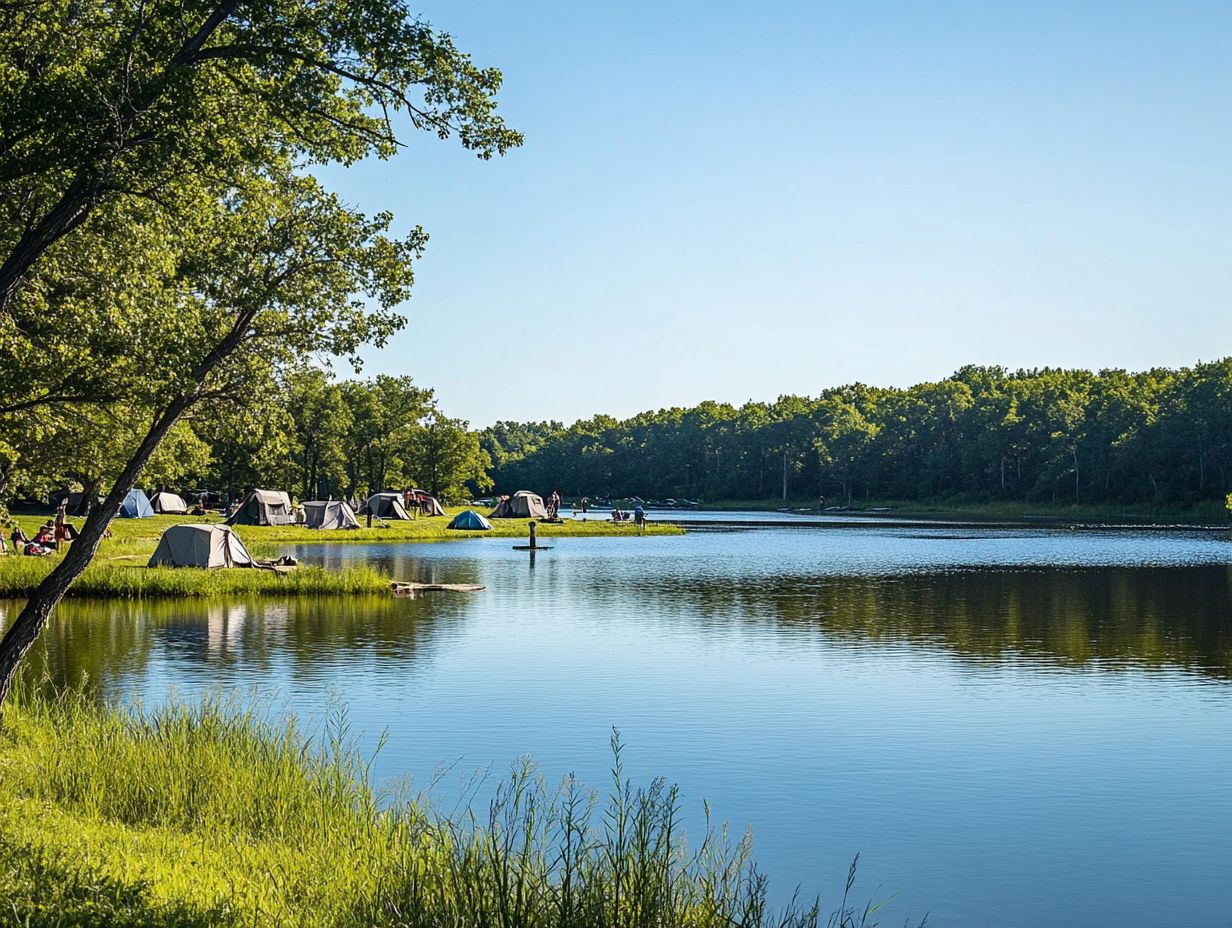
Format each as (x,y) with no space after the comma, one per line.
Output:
(984,434)
(307,433)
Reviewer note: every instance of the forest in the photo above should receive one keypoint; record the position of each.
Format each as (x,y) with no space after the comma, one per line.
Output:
(984,434)
(307,433)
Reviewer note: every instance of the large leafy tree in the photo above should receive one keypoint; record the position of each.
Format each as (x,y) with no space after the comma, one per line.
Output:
(175,136)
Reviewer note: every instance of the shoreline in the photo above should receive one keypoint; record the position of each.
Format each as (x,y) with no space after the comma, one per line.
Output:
(119,569)
(1015,514)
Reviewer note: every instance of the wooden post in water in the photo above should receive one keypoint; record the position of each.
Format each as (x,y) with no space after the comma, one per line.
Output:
(533,543)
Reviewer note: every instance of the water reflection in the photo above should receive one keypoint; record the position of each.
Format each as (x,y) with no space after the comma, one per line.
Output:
(118,648)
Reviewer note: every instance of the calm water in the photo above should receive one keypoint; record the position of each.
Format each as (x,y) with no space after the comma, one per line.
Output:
(1011,727)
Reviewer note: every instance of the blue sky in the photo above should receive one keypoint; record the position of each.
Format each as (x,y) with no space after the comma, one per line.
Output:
(733,201)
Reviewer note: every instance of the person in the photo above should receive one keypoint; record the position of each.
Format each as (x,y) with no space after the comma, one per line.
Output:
(18,538)
(639,514)
(46,535)
(199,508)
(585,504)
(554,505)
(64,530)
(821,504)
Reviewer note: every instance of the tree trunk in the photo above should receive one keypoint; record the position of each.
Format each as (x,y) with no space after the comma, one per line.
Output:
(33,618)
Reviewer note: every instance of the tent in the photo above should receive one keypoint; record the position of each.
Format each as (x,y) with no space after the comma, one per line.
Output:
(522,505)
(200,546)
(136,505)
(76,501)
(329,514)
(428,505)
(168,504)
(385,506)
(264,507)
(470,521)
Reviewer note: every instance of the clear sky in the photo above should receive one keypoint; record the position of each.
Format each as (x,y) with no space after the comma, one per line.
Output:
(732,201)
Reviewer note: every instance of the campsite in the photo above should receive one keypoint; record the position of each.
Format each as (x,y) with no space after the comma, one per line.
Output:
(120,569)
(557,465)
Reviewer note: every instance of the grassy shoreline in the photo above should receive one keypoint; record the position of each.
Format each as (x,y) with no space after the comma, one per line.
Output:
(1207,513)
(119,569)
(199,814)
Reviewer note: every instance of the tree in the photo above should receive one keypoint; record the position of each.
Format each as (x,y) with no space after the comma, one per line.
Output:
(448,457)
(320,421)
(267,277)
(108,102)
(187,123)
(385,416)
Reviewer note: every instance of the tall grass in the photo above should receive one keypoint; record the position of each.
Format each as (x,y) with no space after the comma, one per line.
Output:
(202,814)
(133,581)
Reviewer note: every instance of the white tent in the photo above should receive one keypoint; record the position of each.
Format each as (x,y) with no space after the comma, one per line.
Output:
(170,504)
(200,546)
(264,507)
(329,514)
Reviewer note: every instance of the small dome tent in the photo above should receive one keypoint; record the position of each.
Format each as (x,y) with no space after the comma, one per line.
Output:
(208,546)
(170,504)
(264,507)
(470,521)
(385,506)
(136,505)
(522,505)
(329,514)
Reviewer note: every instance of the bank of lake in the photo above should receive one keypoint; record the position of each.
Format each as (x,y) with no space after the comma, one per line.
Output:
(119,569)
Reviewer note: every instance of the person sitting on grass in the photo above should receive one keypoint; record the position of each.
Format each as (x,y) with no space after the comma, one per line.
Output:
(18,538)
(46,535)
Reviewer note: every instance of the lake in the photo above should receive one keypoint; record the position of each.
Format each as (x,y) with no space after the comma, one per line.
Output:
(1011,727)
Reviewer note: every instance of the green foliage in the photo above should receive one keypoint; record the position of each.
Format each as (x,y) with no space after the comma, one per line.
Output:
(1154,438)
(202,814)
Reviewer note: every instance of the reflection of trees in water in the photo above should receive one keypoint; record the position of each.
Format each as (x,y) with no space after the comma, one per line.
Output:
(108,643)
(1143,616)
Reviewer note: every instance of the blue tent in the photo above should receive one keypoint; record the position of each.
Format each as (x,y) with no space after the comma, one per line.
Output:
(136,505)
(470,521)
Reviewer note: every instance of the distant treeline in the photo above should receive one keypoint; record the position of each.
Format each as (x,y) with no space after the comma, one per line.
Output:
(984,434)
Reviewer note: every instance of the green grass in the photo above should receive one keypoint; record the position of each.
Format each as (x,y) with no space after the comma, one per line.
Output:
(119,567)
(198,815)
(133,580)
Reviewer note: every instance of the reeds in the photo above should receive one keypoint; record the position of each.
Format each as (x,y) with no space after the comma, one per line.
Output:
(200,813)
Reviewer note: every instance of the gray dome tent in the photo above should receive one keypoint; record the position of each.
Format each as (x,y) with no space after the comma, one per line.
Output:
(171,504)
(385,506)
(522,505)
(329,514)
(470,521)
(428,505)
(264,507)
(200,545)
